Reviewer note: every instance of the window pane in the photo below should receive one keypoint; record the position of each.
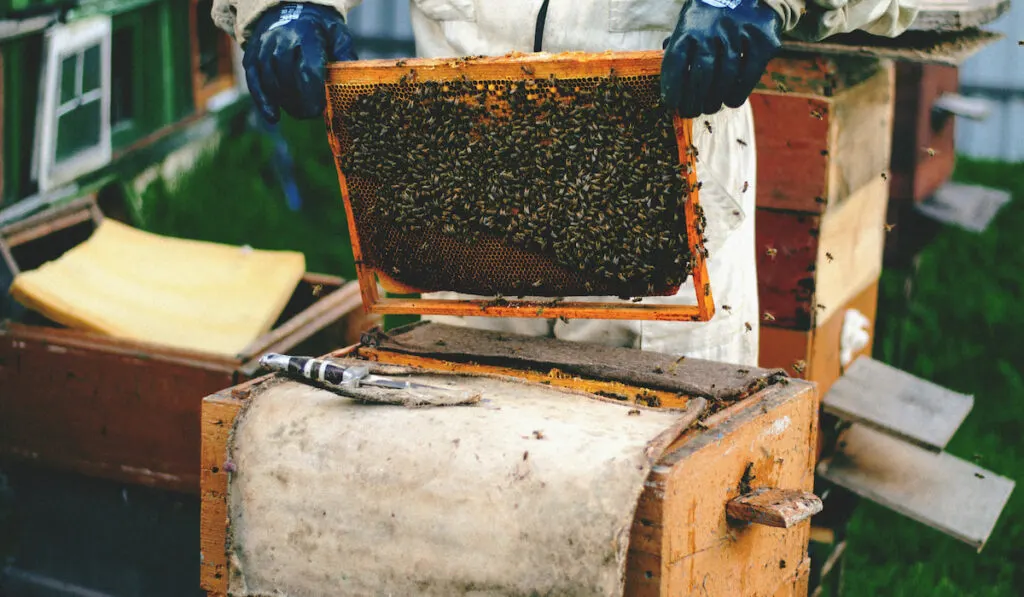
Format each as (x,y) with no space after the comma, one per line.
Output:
(91,72)
(122,96)
(78,129)
(67,78)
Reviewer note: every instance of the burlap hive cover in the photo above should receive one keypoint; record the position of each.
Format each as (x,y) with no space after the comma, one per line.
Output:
(531,491)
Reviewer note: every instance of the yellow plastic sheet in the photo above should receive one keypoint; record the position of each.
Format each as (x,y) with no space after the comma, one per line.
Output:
(187,294)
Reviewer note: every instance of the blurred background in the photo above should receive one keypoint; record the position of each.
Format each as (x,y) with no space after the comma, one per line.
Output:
(181,154)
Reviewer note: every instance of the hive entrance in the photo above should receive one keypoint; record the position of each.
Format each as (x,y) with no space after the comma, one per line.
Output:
(541,176)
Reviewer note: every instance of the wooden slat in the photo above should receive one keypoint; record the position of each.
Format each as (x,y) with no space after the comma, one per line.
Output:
(938,490)
(898,403)
(926,47)
(957,15)
(970,207)
(774,507)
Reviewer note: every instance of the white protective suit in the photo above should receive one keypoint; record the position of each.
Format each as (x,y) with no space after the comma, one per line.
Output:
(726,164)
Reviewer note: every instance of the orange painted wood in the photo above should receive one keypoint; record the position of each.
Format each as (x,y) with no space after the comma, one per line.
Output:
(814,354)
(681,539)
(815,149)
(517,66)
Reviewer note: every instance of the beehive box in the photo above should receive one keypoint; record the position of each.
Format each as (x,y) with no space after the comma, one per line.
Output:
(524,175)
(757,433)
(125,410)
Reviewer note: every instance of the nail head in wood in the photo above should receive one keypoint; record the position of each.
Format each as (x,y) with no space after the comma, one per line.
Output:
(781,508)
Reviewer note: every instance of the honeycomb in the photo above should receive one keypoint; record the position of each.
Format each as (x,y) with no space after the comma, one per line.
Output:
(575,187)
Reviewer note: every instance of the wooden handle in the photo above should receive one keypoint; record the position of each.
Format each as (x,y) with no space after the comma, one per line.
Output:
(781,508)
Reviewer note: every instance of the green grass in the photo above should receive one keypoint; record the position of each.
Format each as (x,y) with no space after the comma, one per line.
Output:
(963,328)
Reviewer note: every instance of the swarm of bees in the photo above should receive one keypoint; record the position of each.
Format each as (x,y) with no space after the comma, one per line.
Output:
(568,168)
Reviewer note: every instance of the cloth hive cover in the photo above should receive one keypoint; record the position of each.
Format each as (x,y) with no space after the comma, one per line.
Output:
(187,294)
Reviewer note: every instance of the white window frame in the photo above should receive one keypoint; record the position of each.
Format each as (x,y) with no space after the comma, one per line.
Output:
(61,42)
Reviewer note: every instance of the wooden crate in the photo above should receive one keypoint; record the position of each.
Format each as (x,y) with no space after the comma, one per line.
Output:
(824,131)
(682,542)
(126,410)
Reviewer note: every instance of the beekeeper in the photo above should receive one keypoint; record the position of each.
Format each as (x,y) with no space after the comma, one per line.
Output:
(715,53)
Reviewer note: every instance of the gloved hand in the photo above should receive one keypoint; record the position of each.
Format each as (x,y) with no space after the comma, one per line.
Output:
(717,54)
(286,54)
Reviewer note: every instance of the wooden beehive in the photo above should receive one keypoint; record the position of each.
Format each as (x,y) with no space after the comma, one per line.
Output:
(126,410)
(692,530)
(406,259)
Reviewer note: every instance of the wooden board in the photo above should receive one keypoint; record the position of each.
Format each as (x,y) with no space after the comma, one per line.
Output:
(925,47)
(129,411)
(814,354)
(898,403)
(809,266)
(680,537)
(970,207)
(815,150)
(957,15)
(938,490)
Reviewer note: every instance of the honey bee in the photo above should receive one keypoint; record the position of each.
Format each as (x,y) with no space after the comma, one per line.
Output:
(829,256)
(317,289)
(817,114)
(634,412)
(746,185)
(727,307)
(707,125)
(799,366)
(771,252)
(749,327)
(401,63)
(527,70)
(741,142)
(820,306)
(768,316)
(889,227)
(538,434)
(885,176)
(930,151)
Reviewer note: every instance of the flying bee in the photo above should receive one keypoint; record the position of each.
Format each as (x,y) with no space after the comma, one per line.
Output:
(707,125)
(889,227)
(799,366)
(817,114)
(829,256)
(768,316)
(401,63)
(930,151)
(746,185)
(771,252)
(741,142)
(748,326)
(727,307)
(885,176)
(317,289)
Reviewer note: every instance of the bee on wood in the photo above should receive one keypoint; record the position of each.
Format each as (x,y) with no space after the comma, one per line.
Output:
(707,289)
(771,252)
(743,371)
(634,412)
(401,63)
(817,114)
(820,306)
(781,87)
(538,434)
(527,70)
(749,327)
(829,256)
(636,299)
(768,316)
(889,227)
(746,185)
(799,366)
(820,200)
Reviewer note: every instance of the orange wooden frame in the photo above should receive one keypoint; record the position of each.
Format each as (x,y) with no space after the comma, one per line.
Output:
(515,66)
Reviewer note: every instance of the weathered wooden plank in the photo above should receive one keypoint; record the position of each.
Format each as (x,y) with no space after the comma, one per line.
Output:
(938,490)
(957,15)
(809,266)
(781,508)
(815,150)
(898,403)
(970,207)
(928,47)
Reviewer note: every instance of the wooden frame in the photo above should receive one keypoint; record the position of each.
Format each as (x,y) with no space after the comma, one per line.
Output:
(707,459)
(511,67)
(225,79)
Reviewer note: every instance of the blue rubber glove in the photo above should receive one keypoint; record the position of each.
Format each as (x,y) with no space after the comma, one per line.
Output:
(286,54)
(717,54)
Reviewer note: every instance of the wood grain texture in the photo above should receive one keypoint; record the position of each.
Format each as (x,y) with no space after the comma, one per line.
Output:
(926,47)
(773,507)
(814,354)
(957,15)
(815,150)
(125,410)
(938,490)
(680,538)
(898,403)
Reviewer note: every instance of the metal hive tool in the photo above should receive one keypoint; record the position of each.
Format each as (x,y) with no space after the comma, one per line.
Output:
(428,214)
